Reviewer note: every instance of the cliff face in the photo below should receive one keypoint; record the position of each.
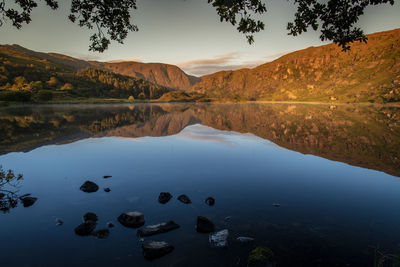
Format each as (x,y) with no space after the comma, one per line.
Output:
(369,72)
(162,74)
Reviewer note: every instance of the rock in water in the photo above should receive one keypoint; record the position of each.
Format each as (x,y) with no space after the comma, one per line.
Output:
(219,239)
(204,225)
(89,187)
(164,197)
(107,189)
(154,249)
(133,219)
(244,239)
(85,228)
(210,201)
(90,216)
(277,205)
(101,233)
(107,176)
(59,222)
(157,229)
(184,199)
(28,201)
(110,225)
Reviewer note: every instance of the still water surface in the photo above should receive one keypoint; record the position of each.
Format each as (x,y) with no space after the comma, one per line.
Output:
(334,170)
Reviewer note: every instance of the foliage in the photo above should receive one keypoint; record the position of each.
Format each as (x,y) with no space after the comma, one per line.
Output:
(9,183)
(112,19)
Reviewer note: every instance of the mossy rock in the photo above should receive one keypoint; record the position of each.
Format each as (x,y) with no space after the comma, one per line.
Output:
(260,256)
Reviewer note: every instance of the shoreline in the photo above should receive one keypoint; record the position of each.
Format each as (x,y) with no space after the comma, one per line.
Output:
(123,101)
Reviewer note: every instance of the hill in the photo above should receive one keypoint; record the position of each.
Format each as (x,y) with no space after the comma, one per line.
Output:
(369,72)
(27,75)
(162,74)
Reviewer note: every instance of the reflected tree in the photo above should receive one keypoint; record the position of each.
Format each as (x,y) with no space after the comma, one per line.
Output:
(9,188)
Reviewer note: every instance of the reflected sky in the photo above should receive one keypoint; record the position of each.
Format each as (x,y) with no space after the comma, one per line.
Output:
(331,212)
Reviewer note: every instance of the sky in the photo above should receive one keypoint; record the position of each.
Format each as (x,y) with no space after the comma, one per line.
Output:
(186,33)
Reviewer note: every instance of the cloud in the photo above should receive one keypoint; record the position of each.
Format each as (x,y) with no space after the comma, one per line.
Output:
(230,61)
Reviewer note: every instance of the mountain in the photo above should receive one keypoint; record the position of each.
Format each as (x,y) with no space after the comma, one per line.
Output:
(27,75)
(162,74)
(369,72)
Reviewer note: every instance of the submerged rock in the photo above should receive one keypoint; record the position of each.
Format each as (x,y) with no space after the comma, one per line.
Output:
(210,201)
(244,239)
(276,205)
(110,225)
(107,189)
(133,219)
(85,228)
(28,201)
(90,216)
(107,176)
(219,239)
(156,249)
(204,225)
(184,199)
(101,233)
(164,197)
(157,229)
(59,222)
(89,187)
(260,256)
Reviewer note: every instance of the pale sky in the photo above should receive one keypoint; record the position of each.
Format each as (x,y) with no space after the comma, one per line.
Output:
(186,33)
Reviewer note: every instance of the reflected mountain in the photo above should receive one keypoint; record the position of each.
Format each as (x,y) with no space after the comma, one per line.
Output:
(365,136)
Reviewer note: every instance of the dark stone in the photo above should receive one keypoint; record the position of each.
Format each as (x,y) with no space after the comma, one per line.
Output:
(89,187)
(154,249)
(90,216)
(107,176)
(28,201)
(204,225)
(85,228)
(101,233)
(184,199)
(157,229)
(59,222)
(210,201)
(2,195)
(133,219)
(107,189)
(164,197)
(110,225)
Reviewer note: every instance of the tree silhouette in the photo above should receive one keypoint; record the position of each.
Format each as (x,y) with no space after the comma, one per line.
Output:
(335,19)
(9,184)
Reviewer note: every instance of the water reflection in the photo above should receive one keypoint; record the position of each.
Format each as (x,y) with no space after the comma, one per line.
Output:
(365,136)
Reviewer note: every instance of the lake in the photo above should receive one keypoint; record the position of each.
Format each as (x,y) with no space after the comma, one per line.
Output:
(319,185)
